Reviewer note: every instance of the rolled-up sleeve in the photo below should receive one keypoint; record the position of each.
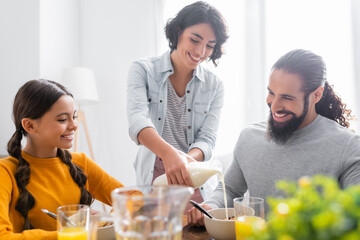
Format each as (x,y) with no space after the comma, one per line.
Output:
(205,138)
(137,101)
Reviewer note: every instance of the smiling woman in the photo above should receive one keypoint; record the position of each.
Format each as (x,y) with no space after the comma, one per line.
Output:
(197,43)
(174,102)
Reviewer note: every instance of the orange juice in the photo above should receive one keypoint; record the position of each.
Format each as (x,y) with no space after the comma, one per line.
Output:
(72,233)
(245,226)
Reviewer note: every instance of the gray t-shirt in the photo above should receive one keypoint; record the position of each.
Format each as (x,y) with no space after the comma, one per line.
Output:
(322,147)
(174,131)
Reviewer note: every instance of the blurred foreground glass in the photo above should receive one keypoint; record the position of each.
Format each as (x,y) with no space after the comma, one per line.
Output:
(154,214)
(73,222)
(249,216)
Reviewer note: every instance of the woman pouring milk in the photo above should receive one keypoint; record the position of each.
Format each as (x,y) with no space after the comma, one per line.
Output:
(174,103)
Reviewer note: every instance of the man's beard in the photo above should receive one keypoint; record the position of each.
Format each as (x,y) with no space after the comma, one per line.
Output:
(280,133)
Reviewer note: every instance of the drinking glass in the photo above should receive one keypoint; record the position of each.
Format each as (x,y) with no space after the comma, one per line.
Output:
(73,222)
(249,216)
(155,213)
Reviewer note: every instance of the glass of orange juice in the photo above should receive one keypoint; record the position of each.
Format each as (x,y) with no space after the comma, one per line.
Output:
(73,222)
(249,216)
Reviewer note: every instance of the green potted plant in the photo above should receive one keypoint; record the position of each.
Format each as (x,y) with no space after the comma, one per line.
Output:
(313,208)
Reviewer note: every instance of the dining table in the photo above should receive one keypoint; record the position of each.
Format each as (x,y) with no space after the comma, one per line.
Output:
(193,232)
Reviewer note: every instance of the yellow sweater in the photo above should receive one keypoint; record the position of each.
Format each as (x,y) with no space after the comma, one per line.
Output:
(52,186)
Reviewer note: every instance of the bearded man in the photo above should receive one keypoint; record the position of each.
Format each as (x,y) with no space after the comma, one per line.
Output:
(306,134)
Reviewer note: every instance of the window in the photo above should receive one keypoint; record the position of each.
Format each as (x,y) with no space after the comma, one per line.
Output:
(321,26)
(276,27)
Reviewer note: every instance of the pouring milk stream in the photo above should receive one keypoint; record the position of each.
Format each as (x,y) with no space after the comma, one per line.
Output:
(199,173)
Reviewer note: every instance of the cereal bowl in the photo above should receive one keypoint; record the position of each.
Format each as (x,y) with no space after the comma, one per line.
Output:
(219,227)
(104,229)
(106,232)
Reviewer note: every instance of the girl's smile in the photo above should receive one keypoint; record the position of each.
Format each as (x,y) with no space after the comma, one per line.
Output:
(55,129)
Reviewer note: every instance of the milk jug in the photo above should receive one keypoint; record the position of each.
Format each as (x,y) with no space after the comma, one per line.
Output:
(199,172)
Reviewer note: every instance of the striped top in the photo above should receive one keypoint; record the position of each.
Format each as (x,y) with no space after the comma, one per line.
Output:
(174,131)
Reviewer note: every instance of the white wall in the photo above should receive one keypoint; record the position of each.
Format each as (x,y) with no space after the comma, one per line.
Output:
(113,35)
(19,57)
(39,38)
(59,37)
(355,9)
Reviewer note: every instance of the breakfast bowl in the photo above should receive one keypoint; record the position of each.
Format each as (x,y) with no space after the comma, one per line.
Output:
(219,227)
(102,227)
(106,232)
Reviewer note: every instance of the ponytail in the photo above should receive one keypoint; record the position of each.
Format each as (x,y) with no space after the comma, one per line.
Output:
(26,200)
(330,106)
(312,69)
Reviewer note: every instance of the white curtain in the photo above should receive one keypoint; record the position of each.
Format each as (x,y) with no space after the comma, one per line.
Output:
(329,28)
(260,32)
(238,67)
(160,42)
(355,16)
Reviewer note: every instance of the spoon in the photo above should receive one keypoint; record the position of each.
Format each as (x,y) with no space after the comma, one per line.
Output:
(196,205)
(53,215)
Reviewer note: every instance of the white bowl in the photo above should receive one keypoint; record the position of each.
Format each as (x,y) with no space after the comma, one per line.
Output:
(106,233)
(103,233)
(218,227)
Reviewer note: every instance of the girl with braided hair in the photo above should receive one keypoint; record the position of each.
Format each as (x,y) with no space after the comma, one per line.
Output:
(44,174)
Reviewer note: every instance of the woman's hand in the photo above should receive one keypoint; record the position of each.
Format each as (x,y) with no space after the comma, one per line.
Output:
(175,167)
(195,217)
(174,160)
(94,212)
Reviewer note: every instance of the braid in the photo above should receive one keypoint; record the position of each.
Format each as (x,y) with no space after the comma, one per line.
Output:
(330,106)
(78,176)
(14,144)
(26,201)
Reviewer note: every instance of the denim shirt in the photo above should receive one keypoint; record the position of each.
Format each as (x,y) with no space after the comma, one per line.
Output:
(147,103)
